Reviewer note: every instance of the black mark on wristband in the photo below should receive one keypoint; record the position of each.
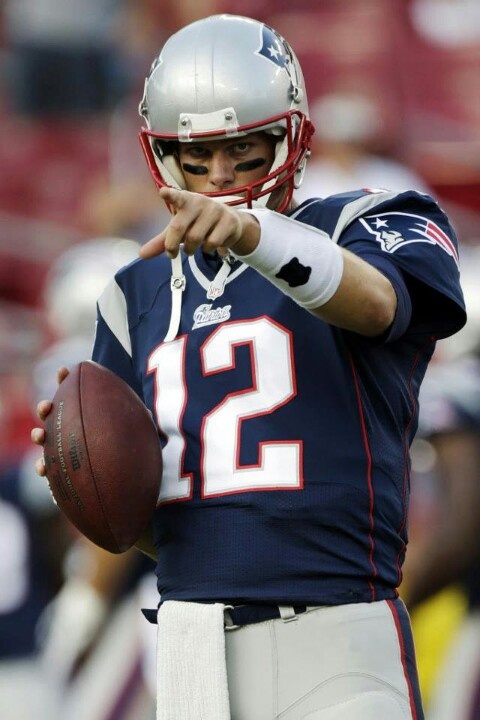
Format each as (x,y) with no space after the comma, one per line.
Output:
(294,273)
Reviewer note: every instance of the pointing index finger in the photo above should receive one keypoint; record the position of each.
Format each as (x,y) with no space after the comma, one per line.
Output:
(173,197)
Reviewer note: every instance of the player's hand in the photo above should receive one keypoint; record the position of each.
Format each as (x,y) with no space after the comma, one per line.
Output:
(200,221)
(37,434)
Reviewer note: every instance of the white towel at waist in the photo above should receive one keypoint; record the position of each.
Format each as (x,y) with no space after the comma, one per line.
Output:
(191,666)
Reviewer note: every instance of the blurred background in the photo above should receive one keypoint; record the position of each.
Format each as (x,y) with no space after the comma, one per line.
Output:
(394,91)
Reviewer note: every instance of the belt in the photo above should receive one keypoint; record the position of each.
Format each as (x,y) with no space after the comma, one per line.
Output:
(239,615)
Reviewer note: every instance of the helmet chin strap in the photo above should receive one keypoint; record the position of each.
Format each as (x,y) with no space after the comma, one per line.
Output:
(171,172)
(177,286)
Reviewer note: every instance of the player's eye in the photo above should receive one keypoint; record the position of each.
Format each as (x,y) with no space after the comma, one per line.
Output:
(241,148)
(197,152)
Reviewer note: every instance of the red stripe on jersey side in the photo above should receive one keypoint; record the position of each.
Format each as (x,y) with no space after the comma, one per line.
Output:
(406,480)
(401,643)
(368,454)
(406,449)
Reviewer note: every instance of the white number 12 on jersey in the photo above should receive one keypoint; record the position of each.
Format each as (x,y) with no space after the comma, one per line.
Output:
(279,462)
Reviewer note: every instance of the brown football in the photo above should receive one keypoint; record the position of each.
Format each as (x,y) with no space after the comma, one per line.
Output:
(103,457)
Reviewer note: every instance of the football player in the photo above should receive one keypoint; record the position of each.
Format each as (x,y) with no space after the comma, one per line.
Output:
(280,348)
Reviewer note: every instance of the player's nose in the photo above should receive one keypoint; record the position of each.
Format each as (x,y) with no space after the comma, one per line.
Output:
(221,170)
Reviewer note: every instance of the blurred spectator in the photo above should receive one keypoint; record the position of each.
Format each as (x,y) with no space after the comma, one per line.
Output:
(94,621)
(445,554)
(448,553)
(34,538)
(348,149)
(95,624)
(33,541)
(76,280)
(64,58)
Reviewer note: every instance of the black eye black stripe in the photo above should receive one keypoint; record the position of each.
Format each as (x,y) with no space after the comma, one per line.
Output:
(246,166)
(194,169)
(249,165)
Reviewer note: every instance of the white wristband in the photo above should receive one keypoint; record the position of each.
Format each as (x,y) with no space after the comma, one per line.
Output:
(302,261)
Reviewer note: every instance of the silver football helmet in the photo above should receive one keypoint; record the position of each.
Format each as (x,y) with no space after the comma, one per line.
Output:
(222,77)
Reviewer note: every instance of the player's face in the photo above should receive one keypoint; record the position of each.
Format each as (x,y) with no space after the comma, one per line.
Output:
(226,164)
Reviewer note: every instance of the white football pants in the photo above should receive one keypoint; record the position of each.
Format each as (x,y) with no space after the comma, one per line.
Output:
(348,662)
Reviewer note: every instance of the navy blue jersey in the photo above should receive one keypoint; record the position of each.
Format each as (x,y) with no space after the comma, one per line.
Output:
(285,439)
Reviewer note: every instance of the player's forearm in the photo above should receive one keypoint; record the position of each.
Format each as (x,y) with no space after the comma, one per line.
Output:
(451,547)
(365,301)
(322,277)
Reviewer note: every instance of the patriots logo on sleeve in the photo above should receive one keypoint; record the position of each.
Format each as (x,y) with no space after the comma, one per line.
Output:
(396,229)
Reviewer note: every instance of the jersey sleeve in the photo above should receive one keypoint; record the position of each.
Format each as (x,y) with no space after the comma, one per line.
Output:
(403,314)
(112,347)
(410,233)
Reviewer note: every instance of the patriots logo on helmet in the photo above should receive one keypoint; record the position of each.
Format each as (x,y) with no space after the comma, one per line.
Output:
(390,231)
(272,47)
